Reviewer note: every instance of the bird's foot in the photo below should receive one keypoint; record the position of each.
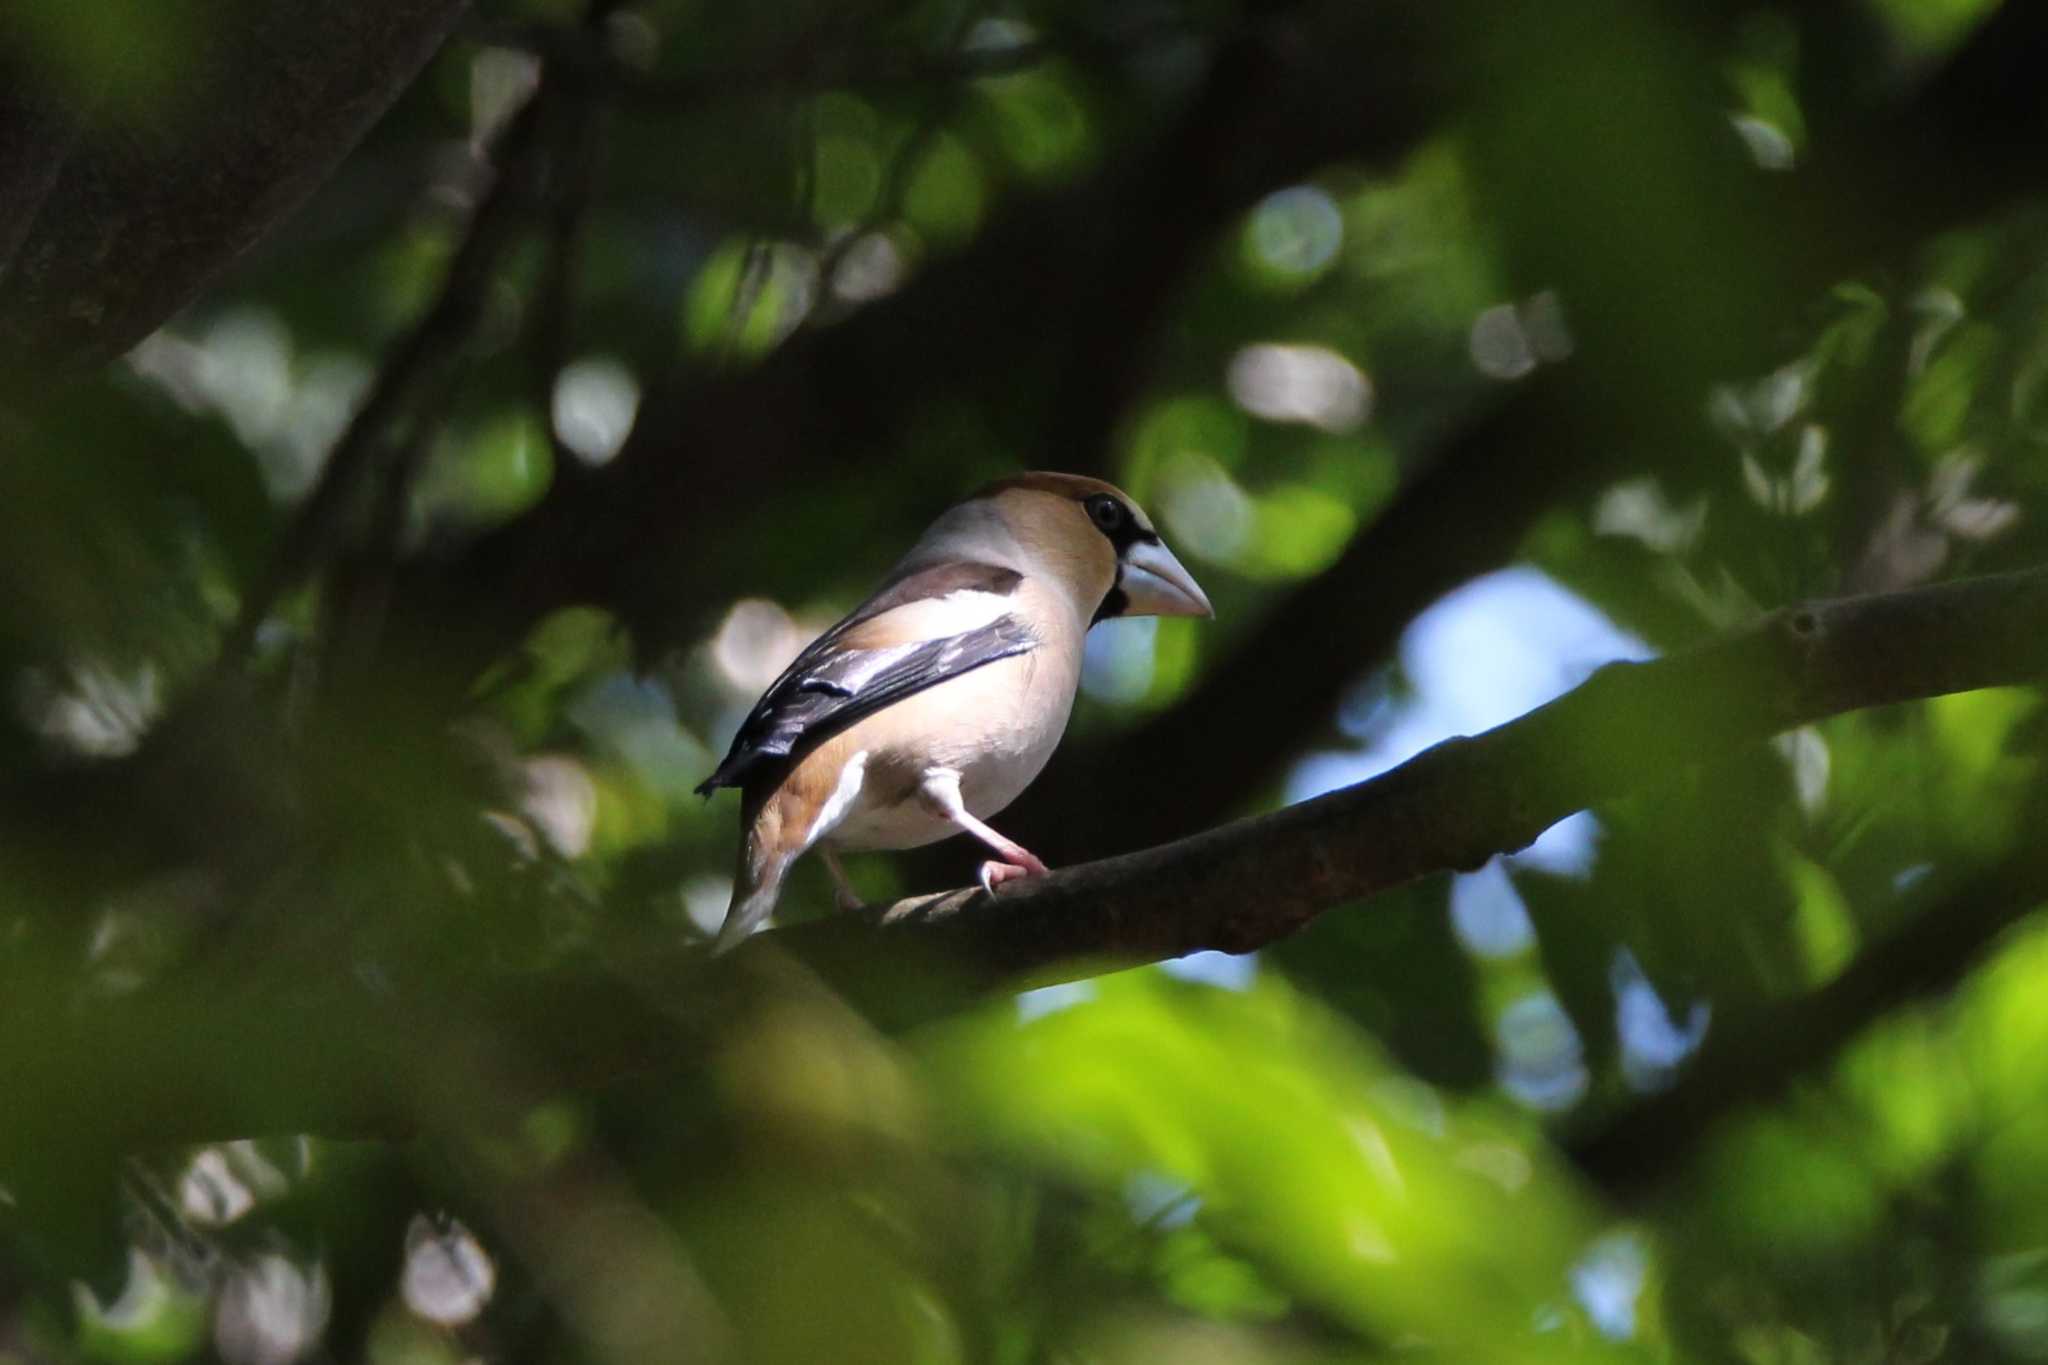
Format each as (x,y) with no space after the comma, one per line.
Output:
(994,873)
(843,894)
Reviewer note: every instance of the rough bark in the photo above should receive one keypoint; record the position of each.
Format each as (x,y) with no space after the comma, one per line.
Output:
(151,204)
(1628,727)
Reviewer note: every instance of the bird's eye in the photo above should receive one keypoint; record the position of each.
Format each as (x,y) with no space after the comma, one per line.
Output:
(1107,513)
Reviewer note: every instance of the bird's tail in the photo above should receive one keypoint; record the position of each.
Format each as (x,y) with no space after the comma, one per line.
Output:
(756,884)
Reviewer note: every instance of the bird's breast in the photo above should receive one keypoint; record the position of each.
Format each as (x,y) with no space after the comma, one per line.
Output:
(995,726)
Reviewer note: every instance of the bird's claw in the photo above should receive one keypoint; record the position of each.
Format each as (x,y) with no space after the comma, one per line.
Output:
(994,873)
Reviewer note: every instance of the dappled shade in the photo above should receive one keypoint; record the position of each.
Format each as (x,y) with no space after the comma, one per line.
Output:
(424,432)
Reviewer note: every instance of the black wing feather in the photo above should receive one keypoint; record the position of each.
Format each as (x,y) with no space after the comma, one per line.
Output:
(827,690)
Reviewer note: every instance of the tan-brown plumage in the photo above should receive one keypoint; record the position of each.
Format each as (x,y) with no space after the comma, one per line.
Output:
(936,701)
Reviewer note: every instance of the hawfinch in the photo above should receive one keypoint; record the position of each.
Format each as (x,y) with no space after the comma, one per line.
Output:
(936,701)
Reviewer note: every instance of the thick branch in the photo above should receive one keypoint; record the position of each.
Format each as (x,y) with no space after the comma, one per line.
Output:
(1627,728)
(647,536)
(1298,662)
(1542,447)
(269,98)
(249,1055)
(35,139)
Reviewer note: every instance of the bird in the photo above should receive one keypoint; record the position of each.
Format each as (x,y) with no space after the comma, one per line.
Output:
(930,706)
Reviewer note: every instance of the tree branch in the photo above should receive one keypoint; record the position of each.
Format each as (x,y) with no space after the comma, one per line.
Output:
(586,54)
(36,138)
(1542,447)
(1756,1060)
(1626,729)
(1436,536)
(195,1060)
(434,341)
(143,214)
(649,534)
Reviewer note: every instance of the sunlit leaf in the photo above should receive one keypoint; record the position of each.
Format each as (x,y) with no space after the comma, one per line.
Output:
(1280,1122)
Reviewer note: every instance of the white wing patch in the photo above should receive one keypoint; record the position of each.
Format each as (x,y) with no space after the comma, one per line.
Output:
(851,778)
(956,613)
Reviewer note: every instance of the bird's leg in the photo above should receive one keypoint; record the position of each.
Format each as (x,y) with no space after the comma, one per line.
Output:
(843,893)
(941,793)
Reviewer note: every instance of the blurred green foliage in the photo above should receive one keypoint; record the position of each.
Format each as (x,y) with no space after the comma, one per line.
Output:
(822,268)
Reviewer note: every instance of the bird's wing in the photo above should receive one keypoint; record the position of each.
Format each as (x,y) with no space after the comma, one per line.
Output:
(922,628)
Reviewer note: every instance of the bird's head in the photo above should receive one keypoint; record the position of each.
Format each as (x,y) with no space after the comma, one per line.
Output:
(1094,540)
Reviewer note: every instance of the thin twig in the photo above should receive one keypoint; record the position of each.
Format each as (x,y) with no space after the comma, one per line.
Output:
(571,174)
(1755,1061)
(889,196)
(433,342)
(805,70)
(358,602)
(552,325)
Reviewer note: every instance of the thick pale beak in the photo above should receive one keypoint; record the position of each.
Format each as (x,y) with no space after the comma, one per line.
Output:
(1157,585)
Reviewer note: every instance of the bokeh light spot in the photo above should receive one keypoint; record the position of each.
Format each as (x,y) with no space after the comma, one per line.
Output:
(1302,528)
(755,643)
(1117,660)
(705,900)
(749,297)
(500,81)
(1768,145)
(947,194)
(1229,971)
(1608,1282)
(1541,1061)
(157,1315)
(1300,383)
(1488,914)
(1499,347)
(595,401)
(448,1277)
(1039,122)
(1204,510)
(870,267)
(1294,234)
(1036,1004)
(271,1312)
(1653,1044)
(94,712)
